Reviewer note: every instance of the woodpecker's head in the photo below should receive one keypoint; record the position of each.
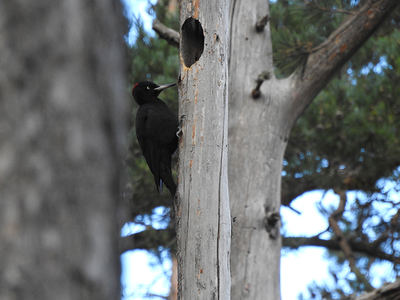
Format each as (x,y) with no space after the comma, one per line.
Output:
(147,91)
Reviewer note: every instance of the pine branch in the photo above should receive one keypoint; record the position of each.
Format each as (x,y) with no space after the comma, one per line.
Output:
(343,243)
(330,10)
(326,59)
(356,246)
(389,291)
(166,33)
(148,239)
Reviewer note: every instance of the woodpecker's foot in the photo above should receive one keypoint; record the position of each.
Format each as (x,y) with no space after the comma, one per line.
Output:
(179,132)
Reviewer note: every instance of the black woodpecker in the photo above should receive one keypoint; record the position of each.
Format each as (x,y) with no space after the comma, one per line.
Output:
(156,131)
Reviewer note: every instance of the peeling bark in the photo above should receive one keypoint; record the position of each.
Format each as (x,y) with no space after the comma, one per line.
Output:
(202,208)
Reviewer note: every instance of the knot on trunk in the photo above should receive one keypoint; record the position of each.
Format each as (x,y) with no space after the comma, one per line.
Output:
(271,223)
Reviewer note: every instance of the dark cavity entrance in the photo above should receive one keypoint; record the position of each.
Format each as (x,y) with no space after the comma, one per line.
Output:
(192,41)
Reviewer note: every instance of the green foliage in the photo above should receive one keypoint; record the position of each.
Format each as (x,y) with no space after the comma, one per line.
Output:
(299,26)
(352,127)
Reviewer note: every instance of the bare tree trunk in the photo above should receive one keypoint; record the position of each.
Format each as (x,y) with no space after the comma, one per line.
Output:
(203,219)
(62,131)
(258,134)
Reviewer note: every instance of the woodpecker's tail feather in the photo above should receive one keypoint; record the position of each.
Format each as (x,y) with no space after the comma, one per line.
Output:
(165,178)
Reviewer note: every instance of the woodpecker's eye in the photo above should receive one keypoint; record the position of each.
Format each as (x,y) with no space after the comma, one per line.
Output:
(147,88)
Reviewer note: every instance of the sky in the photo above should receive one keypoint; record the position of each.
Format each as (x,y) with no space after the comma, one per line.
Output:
(298,268)
(135,9)
(143,274)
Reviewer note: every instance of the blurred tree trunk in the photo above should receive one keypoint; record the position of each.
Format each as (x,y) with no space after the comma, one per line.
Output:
(62,133)
(202,212)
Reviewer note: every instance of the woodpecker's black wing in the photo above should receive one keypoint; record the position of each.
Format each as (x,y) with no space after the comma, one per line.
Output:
(156,128)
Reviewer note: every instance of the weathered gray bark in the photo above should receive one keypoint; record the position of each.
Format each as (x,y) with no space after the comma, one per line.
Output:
(258,134)
(202,213)
(62,131)
(259,129)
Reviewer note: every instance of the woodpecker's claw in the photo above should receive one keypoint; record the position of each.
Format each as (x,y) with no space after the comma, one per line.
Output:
(179,132)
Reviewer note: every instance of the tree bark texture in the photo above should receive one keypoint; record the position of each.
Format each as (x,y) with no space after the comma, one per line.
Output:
(202,208)
(62,132)
(258,134)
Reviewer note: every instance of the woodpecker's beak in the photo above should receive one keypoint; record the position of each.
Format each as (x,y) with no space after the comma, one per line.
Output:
(164,86)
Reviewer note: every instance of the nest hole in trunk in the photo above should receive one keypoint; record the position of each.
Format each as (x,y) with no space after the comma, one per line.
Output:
(192,44)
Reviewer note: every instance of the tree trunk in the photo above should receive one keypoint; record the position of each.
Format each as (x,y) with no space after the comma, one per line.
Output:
(258,133)
(62,131)
(202,209)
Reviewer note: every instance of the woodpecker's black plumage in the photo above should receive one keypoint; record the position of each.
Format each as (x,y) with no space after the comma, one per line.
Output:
(156,128)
